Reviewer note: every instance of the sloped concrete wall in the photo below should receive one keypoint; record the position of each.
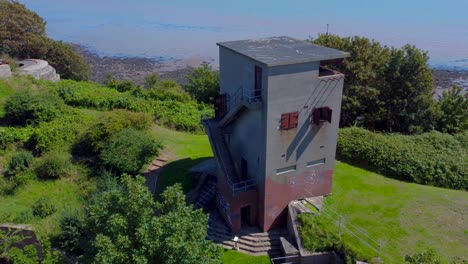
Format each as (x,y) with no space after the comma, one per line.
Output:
(38,69)
(5,71)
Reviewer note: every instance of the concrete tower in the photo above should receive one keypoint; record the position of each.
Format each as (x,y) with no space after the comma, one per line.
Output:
(276,127)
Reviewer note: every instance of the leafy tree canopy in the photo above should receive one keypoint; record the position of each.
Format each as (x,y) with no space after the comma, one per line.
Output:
(391,88)
(22,35)
(203,83)
(130,227)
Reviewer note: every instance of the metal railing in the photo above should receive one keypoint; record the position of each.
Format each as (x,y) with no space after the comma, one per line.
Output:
(243,95)
(345,225)
(242,186)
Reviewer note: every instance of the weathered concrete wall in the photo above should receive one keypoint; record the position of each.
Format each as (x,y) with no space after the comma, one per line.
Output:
(294,88)
(38,69)
(5,71)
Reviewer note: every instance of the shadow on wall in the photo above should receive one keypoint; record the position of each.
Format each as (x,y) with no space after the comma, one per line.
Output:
(306,134)
(177,171)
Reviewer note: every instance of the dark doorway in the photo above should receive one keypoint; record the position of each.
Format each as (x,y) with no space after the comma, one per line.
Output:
(245,215)
(244,170)
(258,82)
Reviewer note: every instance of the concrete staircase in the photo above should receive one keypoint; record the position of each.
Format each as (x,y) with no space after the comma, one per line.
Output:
(207,194)
(251,240)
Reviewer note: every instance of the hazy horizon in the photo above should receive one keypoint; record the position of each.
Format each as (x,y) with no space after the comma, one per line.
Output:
(182,28)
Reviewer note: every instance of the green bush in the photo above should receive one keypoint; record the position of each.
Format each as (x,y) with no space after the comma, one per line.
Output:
(43,208)
(20,162)
(111,123)
(72,233)
(58,134)
(9,135)
(319,235)
(181,116)
(29,108)
(429,256)
(54,165)
(432,158)
(128,150)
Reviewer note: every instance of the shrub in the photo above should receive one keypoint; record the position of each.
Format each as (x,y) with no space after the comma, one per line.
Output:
(20,162)
(319,235)
(111,123)
(431,158)
(9,135)
(54,165)
(180,116)
(429,256)
(26,107)
(72,233)
(57,134)
(125,86)
(128,150)
(43,208)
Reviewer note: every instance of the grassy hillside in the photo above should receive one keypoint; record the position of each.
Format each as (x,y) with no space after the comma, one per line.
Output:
(402,217)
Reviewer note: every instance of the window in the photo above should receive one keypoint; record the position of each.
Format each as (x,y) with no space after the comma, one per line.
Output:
(286,169)
(289,120)
(315,162)
(321,114)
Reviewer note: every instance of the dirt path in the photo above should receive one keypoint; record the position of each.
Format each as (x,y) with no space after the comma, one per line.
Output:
(154,170)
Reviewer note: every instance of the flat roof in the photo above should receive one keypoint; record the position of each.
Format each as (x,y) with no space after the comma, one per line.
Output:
(275,51)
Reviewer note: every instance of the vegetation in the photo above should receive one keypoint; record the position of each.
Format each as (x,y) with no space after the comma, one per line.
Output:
(454,111)
(391,89)
(22,35)
(431,158)
(54,165)
(128,150)
(203,83)
(401,217)
(127,226)
(20,162)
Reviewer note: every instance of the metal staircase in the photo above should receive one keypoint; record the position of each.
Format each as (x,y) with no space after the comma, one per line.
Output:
(242,99)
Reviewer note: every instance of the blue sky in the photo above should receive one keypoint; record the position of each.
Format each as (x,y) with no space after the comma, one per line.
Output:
(184,28)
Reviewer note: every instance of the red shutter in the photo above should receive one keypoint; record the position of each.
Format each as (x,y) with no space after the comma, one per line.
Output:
(329,114)
(293,119)
(285,121)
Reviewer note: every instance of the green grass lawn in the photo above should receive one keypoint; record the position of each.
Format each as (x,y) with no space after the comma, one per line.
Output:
(234,257)
(402,217)
(66,194)
(185,151)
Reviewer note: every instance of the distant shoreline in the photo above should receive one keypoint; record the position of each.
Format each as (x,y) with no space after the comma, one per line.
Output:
(137,68)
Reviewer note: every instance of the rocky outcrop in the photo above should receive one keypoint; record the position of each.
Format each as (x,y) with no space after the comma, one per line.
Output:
(38,69)
(5,71)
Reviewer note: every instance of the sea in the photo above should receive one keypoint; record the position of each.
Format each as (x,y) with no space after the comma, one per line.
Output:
(179,29)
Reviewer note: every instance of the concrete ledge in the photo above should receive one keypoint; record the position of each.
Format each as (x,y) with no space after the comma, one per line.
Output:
(5,71)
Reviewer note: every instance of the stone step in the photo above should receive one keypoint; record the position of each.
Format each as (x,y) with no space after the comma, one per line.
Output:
(252,244)
(261,251)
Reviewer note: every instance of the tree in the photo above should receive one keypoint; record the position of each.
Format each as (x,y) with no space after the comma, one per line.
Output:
(129,227)
(19,29)
(181,231)
(363,70)
(391,88)
(407,92)
(203,83)
(454,111)
(22,35)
